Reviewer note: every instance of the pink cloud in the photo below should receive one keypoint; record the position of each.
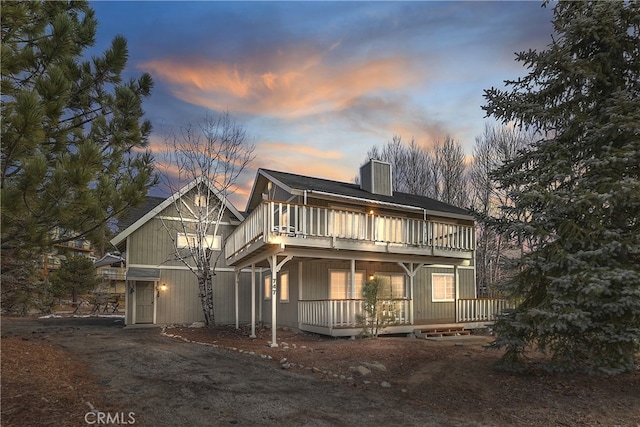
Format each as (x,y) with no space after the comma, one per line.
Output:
(300,149)
(289,87)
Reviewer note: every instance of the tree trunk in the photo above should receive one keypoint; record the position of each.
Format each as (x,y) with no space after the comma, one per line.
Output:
(205,283)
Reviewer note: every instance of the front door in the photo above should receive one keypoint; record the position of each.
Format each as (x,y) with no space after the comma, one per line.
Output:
(144,302)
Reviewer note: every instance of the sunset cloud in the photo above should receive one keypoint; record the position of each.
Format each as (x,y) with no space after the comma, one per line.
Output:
(294,89)
(318,84)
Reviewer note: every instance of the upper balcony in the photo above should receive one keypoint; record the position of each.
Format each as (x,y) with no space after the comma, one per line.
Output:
(313,227)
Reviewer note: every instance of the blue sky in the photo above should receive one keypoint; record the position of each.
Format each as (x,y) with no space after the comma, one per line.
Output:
(317,84)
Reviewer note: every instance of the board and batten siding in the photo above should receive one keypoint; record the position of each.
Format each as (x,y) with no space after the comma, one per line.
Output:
(151,246)
(427,311)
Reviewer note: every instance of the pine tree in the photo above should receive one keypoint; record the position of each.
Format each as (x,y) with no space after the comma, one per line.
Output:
(73,136)
(576,192)
(75,276)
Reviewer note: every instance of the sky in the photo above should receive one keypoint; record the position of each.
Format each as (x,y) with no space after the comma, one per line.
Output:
(318,84)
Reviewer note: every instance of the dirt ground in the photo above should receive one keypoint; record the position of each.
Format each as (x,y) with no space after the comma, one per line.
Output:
(48,383)
(454,377)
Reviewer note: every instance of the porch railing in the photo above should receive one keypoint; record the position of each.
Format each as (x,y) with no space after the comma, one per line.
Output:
(346,312)
(480,309)
(272,219)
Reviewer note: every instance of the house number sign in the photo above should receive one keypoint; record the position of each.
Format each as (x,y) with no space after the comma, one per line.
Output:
(274,286)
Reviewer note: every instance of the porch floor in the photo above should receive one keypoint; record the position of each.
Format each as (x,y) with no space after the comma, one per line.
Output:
(464,329)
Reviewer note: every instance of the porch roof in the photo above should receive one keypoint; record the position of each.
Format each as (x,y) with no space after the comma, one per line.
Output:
(137,273)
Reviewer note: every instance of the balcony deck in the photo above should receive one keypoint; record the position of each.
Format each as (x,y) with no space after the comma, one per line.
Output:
(282,224)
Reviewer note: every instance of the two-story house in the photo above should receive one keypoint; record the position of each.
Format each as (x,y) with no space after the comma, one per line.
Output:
(303,250)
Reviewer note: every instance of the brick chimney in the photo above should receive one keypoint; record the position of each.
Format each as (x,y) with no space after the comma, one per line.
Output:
(375,177)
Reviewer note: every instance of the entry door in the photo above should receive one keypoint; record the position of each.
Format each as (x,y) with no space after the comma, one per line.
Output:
(144,302)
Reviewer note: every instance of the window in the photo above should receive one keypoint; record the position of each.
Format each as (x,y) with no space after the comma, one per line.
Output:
(284,286)
(443,287)
(200,201)
(186,240)
(392,285)
(267,287)
(340,284)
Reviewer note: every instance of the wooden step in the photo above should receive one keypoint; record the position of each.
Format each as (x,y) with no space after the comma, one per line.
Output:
(440,332)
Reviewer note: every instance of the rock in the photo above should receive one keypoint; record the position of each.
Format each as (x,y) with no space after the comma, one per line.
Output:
(197,325)
(363,370)
(375,365)
(314,369)
(283,360)
(286,365)
(385,384)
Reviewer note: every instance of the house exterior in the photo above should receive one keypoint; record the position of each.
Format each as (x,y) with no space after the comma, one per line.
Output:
(160,289)
(303,250)
(52,260)
(316,242)
(111,272)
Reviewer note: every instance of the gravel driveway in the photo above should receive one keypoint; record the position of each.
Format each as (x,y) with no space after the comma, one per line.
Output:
(166,382)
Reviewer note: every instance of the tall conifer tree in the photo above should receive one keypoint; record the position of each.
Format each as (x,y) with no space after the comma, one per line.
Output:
(73,135)
(577,192)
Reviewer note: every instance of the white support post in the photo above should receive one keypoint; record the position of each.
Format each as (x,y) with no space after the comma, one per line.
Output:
(275,268)
(457,291)
(411,272)
(274,298)
(260,296)
(236,297)
(353,278)
(411,294)
(253,301)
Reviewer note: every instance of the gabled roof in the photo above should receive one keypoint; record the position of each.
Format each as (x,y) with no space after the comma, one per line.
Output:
(143,217)
(134,214)
(324,188)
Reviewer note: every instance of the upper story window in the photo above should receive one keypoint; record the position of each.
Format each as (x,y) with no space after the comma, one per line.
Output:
(188,240)
(200,200)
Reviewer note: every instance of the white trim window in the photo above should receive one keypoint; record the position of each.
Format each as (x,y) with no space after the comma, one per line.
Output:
(340,284)
(284,286)
(267,287)
(392,285)
(189,240)
(443,287)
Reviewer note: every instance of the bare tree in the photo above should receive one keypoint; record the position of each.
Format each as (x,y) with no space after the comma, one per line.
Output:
(413,166)
(496,146)
(210,157)
(450,172)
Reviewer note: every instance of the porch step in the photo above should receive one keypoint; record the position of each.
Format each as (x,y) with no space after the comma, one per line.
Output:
(441,332)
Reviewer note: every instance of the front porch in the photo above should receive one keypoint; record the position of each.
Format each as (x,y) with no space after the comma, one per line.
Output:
(345,317)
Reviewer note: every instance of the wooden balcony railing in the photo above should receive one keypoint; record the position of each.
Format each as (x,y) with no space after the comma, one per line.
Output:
(343,313)
(272,219)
